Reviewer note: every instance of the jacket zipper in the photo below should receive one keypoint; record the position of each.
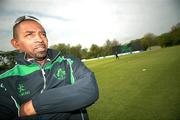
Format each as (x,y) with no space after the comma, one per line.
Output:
(44,79)
(82,116)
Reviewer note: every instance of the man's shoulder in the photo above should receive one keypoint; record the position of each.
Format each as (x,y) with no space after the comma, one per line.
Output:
(56,53)
(6,68)
(73,59)
(6,71)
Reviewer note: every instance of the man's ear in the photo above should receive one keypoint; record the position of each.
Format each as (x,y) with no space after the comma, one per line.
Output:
(15,44)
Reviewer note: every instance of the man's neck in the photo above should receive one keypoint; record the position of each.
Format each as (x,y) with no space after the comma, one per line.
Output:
(41,62)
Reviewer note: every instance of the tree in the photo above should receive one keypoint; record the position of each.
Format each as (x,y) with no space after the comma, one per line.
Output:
(109,46)
(165,40)
(148,40)
(175,34)
(176,27)
(7,60)
(76,51)
(65,49)
(94,51)
(136,45)
(170,38)
(84,53)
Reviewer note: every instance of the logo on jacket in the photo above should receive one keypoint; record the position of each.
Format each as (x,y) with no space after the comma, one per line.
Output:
(22,91)
(60,74)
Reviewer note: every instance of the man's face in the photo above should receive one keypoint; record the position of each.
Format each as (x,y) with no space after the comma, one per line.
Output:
(31,39)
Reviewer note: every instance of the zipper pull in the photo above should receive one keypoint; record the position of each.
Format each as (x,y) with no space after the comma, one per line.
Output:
(44,78)
(43,72)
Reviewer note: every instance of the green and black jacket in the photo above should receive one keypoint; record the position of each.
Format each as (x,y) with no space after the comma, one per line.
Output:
(61,89)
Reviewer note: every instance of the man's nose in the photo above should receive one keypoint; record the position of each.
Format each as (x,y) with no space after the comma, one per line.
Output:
(38,38)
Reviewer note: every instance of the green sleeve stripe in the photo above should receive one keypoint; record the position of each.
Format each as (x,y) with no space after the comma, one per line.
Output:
(23,70)
(20,70)
(72,81)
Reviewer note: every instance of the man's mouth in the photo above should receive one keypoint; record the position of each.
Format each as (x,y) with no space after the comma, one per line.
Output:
(40,47)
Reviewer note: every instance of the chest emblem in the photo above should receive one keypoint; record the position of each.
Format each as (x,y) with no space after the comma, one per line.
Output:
(60,74)
(22,90)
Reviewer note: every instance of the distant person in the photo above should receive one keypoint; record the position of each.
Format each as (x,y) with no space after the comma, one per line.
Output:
(116,55)
(43,85)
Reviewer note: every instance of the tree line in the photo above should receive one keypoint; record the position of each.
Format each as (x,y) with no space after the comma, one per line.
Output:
(110,47)
(7,60)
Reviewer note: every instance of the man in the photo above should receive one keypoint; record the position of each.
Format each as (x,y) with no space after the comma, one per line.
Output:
(43,84)
(116,54)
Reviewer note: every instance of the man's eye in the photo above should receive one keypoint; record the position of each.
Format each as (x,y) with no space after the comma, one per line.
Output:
(29,34)
(43,34)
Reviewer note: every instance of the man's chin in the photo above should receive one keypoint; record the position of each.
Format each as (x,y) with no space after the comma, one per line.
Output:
(41,55)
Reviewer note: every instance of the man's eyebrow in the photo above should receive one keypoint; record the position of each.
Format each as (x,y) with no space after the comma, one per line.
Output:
(43,31)
(33,31)
(30,31)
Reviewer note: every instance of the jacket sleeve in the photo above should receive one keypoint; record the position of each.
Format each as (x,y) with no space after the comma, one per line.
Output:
(8,110)
(81,94)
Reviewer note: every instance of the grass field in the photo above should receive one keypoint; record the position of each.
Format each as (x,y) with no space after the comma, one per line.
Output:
(143,86)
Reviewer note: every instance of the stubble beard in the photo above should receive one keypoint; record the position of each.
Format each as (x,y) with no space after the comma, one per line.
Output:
(41,55)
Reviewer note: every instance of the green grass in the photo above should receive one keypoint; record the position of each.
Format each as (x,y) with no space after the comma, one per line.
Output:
(143,86)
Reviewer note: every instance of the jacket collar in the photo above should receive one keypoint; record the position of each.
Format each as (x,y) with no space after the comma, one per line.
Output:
(21,58)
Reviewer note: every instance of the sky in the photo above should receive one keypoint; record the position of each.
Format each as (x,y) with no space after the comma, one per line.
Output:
(88,22)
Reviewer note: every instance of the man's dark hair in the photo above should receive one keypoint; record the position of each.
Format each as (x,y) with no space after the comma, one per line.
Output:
(21,19)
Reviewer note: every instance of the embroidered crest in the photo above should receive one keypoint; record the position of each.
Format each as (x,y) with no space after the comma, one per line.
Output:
(60,74)
(22,91)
